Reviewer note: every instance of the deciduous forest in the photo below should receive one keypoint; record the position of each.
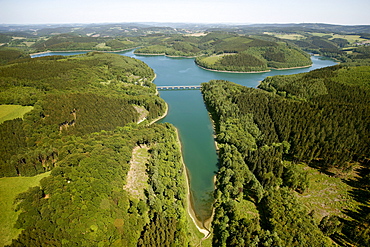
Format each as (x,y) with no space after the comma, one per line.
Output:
(83,128)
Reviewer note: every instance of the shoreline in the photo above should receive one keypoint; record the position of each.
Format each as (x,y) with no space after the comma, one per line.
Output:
(162,54)
(189,207)
(236,72)
(299,67)
(160,117)
(253,72)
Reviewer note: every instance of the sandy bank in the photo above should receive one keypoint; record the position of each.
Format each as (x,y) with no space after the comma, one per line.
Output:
(238,72)
(200,225)
(262,71)
(299,67)
(161,54)
(190,209)
(160,117)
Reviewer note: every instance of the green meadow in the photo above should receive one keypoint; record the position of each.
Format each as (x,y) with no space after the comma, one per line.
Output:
(9,112)
(291,36)
(10,187)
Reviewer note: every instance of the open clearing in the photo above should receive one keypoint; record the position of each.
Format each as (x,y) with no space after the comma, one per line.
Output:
(351,38)
(137,177)
(290,36)
(10,187)
(212,59)
(9,112)
(327,195)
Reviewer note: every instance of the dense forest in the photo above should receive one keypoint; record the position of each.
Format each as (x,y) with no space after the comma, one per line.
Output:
(270,138)
(83,128)
(10,54)
(84,203)
(67,42)
(75,95)
(230,52)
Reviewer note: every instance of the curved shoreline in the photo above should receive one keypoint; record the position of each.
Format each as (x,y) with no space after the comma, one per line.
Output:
(160,117)
(162,54)
(237,72)
(190,210)
(189,207)
(299,67)
(253,72)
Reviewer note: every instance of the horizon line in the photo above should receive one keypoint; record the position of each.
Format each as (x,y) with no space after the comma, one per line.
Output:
(174,22)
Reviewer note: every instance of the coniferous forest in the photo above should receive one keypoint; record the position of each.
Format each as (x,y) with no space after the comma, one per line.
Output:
(269,137)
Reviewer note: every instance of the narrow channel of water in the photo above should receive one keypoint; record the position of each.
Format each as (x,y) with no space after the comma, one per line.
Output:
(187,112)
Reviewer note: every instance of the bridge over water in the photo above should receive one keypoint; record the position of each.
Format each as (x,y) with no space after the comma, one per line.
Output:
(193,87)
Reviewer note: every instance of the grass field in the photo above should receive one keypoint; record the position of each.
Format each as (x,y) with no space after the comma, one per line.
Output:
(351,38)
(9,112)
(290,36)
(212,59)
(10,187)
(102,46)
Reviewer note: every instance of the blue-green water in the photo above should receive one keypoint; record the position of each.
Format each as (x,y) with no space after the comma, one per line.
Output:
(187,112)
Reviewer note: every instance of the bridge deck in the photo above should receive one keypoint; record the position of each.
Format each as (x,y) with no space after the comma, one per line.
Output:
(178,87)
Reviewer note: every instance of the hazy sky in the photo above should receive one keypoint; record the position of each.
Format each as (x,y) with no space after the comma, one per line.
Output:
(201,11)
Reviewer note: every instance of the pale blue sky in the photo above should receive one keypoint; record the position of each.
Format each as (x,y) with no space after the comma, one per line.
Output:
(195,11)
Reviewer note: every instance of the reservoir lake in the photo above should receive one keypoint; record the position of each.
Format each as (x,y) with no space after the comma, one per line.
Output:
(188,114)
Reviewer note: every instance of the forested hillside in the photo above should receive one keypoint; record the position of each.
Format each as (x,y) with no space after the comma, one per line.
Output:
(83,128)
(272,142)
(343,46)
(230,52)
(84,201)
(75,95)
(9,54)
(67,42)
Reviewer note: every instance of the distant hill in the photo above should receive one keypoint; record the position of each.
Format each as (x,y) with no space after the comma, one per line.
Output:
(228,52)
(136,29)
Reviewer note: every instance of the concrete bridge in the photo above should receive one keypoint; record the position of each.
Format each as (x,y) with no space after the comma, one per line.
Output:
(178,87)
